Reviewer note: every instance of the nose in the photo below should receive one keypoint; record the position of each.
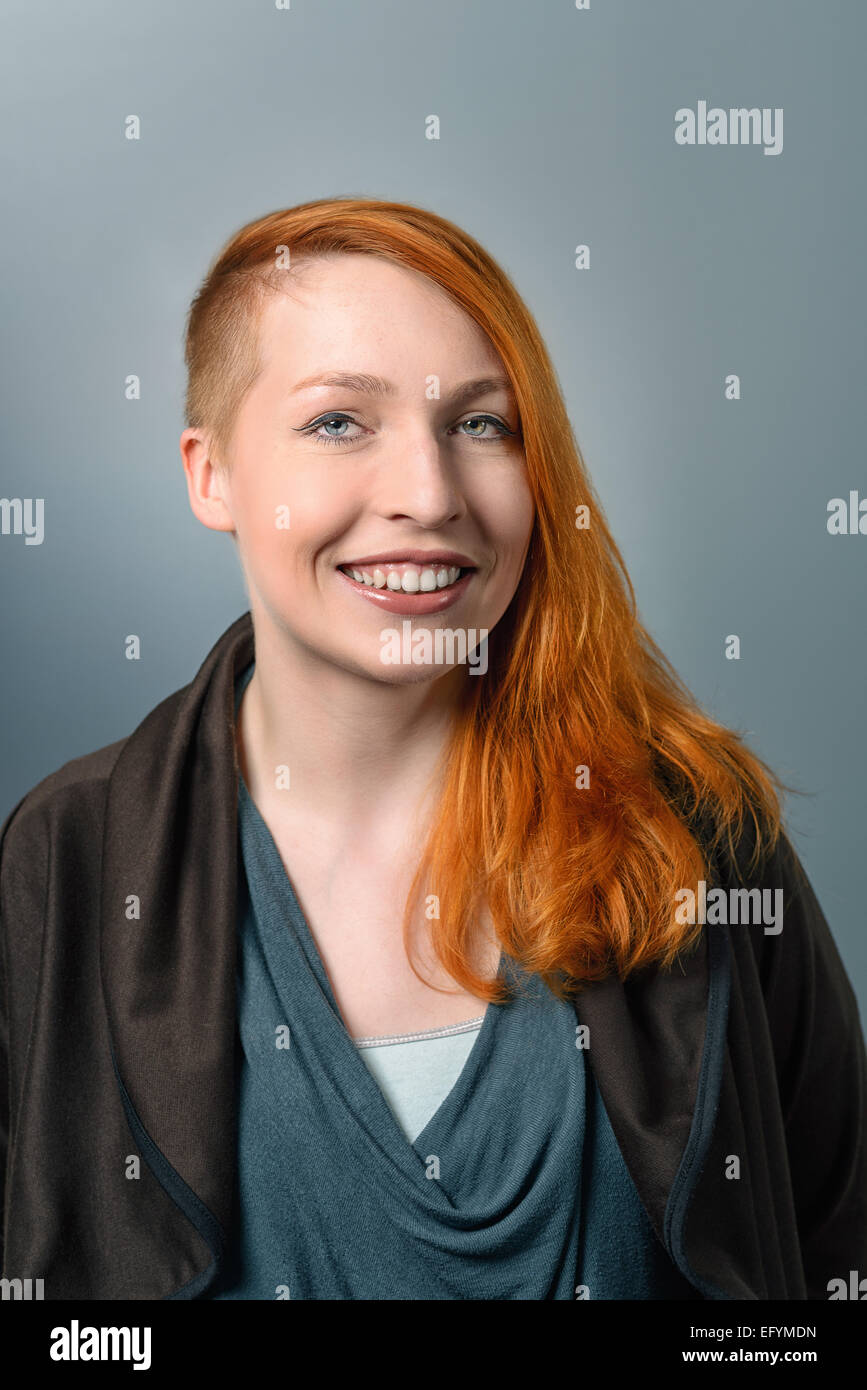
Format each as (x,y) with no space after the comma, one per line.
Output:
(418,479)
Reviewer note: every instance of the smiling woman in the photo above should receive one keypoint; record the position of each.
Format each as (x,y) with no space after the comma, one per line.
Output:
(404,478)
(389,1002)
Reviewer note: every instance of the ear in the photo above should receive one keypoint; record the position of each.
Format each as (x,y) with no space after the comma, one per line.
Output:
(206,484)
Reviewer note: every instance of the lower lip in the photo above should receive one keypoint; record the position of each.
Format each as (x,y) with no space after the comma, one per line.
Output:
(396,601)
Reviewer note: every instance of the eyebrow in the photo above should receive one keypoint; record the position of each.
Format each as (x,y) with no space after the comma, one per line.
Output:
(377,386)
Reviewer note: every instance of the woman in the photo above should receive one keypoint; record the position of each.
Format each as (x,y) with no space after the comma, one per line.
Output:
(431,943)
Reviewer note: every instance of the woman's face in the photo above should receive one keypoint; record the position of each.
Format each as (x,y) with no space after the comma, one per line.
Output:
(372,480)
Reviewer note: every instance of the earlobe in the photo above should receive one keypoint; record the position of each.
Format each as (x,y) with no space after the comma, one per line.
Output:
(206,484)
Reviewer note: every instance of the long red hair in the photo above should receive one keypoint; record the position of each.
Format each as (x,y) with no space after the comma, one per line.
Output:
(578,880)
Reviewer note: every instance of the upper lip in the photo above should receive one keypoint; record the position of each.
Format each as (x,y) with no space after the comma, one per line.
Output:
(414,557)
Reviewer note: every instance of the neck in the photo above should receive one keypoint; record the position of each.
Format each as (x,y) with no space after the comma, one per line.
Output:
(359,751)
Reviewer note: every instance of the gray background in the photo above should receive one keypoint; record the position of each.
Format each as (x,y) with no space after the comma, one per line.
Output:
(557,128)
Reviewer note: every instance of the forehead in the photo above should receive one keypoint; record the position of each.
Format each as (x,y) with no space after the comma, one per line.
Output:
(367,314)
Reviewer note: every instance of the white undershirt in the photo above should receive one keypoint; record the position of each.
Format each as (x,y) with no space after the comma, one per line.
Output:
(416,1071)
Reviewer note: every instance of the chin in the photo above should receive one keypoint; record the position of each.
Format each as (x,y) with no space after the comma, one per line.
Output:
(407,675)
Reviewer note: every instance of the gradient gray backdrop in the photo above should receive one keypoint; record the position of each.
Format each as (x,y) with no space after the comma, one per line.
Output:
(557,128)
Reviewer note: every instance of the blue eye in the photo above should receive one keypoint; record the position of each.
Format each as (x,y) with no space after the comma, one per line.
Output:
(488,420)
(312,430)
(340,418)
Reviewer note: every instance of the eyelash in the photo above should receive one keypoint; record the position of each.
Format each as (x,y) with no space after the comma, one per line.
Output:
(310,430)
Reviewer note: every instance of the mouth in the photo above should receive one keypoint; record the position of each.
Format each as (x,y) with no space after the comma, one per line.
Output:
(413,584)
(403,576)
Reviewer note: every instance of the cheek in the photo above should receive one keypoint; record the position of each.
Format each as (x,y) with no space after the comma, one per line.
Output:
(509,519)
(525,513)
(289,518)
(321,508)
(267,531)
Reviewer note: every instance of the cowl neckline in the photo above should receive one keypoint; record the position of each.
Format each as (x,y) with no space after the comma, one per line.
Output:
(494,1175)
(318,1032)
(337,1035)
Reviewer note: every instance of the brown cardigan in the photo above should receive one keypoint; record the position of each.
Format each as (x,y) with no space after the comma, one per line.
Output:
(117,1039)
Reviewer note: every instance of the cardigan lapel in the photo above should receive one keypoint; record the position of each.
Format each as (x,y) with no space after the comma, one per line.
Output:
(670,1051)
(168,937)
(646,1041)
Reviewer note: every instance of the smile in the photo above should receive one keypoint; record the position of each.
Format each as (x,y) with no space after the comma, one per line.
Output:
(405,577)
(415,587)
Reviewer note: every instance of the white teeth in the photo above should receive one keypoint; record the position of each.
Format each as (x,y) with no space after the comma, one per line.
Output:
(411,581)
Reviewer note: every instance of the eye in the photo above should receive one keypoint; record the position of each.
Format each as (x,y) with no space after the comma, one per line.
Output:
(335,418)
(339,421)
(502,430)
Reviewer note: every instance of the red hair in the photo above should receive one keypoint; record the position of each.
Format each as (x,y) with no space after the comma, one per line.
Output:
(578,882)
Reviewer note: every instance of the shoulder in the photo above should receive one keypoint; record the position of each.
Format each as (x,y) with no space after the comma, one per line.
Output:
(754,856)
(808,998)
(67,803)
(66,810)
(70,801)
(793,990)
